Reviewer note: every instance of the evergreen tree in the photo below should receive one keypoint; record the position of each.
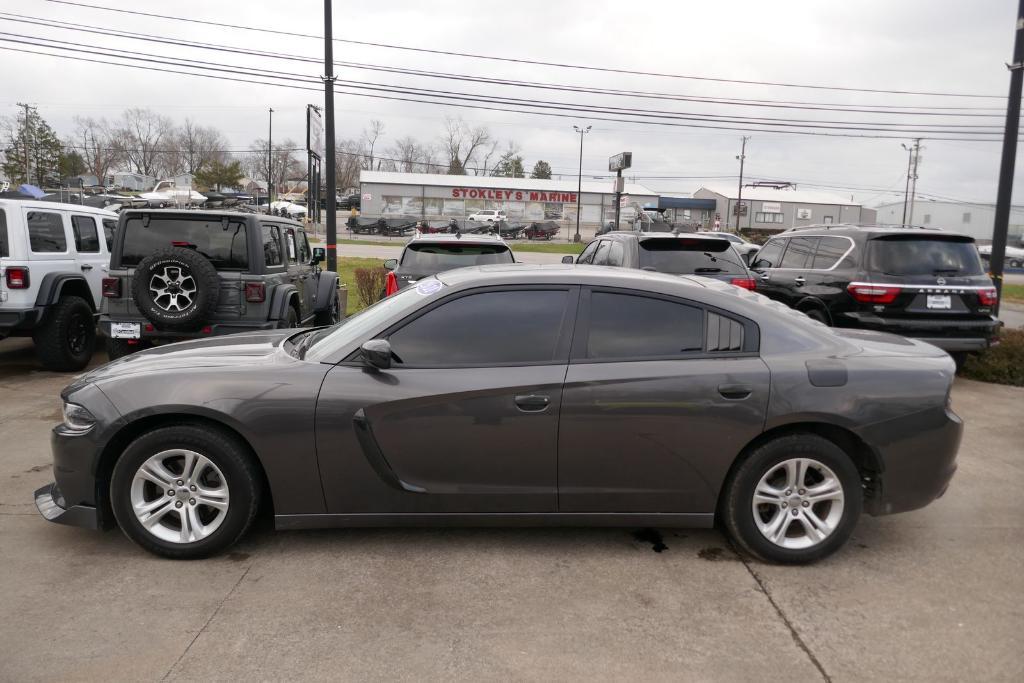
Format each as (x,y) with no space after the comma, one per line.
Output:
(541,169)
(217,175)
(33,152)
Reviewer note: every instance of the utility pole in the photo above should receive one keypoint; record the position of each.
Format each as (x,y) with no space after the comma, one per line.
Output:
(739,192)
(906,189)
(579,187)
(913,180)
(270,160)
(332,191)
(1009,160)
(28,134)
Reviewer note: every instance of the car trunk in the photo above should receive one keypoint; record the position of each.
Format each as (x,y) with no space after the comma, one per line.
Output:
(713,258)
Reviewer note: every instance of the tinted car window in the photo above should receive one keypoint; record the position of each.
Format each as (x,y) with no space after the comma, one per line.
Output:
(289,244)
(87,238)
(768,256)
(830,250)
(485,329)
(601,255)
(272,255)
(916,255)
(628,326)
(304,253)
(588,254)
(109,226)
(46,232)
(5,245)
(222,243)
(799,253)
(681,256)
(439,256)
(616,254)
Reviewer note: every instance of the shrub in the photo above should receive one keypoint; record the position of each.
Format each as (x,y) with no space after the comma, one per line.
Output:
(1001,364)
(370,282)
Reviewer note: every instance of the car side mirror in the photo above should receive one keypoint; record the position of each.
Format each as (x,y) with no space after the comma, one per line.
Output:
(376,354)
(391,264)
(319,255)
(568,259)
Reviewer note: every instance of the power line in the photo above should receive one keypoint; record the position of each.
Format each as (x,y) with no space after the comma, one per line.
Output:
(526,61)
(770,122)
(642,94)
(393,97)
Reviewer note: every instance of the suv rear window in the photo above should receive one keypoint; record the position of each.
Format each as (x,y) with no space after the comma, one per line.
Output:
(916,255)
(223,243)
(5,245)
(436,257)
(689,257)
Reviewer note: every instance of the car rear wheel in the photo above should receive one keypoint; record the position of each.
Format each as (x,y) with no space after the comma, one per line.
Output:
(64,341)
(184,492)
(817,314)
(333,312)
(793,500)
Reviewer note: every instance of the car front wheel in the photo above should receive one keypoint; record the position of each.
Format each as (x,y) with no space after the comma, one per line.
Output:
(793,500)
(185,491)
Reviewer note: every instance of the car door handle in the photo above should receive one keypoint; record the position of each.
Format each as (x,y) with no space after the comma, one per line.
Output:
(532,403)
(735,391)
(86,266)
(799,280)
(765,276)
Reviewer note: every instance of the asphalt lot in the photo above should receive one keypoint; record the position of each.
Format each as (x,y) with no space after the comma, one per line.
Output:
(930,595)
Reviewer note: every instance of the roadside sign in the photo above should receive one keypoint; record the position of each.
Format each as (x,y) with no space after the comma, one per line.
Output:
(618,184)
(620,161)
(314,132)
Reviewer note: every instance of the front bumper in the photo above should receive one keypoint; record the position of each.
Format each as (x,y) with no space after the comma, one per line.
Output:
(216,329)
(52,506)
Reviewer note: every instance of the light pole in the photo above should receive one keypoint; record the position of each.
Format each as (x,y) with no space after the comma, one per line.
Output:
(579,187)
(906,189)
(331,232)
(739,192)
(270,157)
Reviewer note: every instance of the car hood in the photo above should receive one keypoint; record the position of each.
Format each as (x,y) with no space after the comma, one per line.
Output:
(247,349)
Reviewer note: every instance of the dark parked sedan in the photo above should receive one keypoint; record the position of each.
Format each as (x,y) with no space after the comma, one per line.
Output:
(516,395)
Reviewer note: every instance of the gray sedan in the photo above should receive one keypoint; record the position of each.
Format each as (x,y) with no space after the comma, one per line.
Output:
(516,395)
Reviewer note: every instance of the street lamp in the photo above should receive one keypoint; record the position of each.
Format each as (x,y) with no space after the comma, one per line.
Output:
(270,158)
(579,187)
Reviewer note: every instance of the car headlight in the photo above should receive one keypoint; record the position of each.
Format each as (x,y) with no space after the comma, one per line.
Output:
(77,418)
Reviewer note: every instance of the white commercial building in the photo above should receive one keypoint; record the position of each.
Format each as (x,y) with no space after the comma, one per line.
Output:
(770,209)
(434,196)
(976,220)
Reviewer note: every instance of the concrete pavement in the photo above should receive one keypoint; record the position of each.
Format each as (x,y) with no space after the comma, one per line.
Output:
(929,595)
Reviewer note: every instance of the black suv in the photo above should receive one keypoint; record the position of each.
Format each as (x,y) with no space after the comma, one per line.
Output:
(917,282)
(188,274)
(426,255)
(677,254)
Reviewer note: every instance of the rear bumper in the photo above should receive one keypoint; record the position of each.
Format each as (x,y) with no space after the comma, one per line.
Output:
(19,320)
(950,335)
(918,459)
(52,506)
(216,329)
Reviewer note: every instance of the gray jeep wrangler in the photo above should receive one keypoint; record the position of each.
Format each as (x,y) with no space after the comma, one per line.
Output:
(178,275)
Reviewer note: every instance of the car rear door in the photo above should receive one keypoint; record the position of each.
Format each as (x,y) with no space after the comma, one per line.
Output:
(789,280)
(466,419)
(764,266)
(660,396)
(92,256)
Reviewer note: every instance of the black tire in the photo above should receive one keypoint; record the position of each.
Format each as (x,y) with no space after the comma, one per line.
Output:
(819,315)
(66,338)
(737,514)
(192,266)
(960,358)
(291,319)
(229,455)
(333,312)
(1016,263)
(119,348)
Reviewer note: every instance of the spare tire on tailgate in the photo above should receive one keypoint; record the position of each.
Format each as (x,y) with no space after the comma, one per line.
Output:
(176,288)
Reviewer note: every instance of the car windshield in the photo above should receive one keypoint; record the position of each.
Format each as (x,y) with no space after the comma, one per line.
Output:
(327,343)
(916,255)
(690,257)
(221,241)
(436,257)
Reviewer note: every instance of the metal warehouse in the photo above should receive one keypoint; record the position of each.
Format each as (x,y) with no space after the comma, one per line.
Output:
(434,196)
(975,219)
(772,209)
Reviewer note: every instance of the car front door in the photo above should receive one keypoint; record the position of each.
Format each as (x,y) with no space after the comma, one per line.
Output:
(465,420)
(766,261)
(298,272)
(309,271)
(660,397)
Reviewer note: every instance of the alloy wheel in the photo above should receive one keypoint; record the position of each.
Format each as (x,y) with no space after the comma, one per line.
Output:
(179,496)
(173,289)
(798,503)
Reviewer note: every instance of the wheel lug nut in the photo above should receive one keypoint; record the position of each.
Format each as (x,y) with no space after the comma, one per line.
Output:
(789,492)
(181,483)
(806,503)
(801,492)
(795,511)
(170,492)
(178,505)
(192,487)
(191,501)
(785,504)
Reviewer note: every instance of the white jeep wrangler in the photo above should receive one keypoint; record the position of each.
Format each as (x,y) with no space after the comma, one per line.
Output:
(52,261)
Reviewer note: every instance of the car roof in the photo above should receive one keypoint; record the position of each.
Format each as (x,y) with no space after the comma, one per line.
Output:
(63,206)
(660,235)
(563,273)
(871,230)
(448,238)
(193,213)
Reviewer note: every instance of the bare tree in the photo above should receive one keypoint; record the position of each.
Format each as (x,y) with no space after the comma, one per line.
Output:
(348,161)
(93,138)
(143,139)
(197,147)
(486,168)
(461,144)
(285,164)
(370,138)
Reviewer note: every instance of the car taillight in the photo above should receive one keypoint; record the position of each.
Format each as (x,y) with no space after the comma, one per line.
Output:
(392,284)
(873,294)
(112,287)
(17,277)
(744,282)
(988,296)
(255,292)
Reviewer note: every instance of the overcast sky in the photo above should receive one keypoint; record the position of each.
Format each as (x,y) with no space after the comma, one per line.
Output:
(950,47)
